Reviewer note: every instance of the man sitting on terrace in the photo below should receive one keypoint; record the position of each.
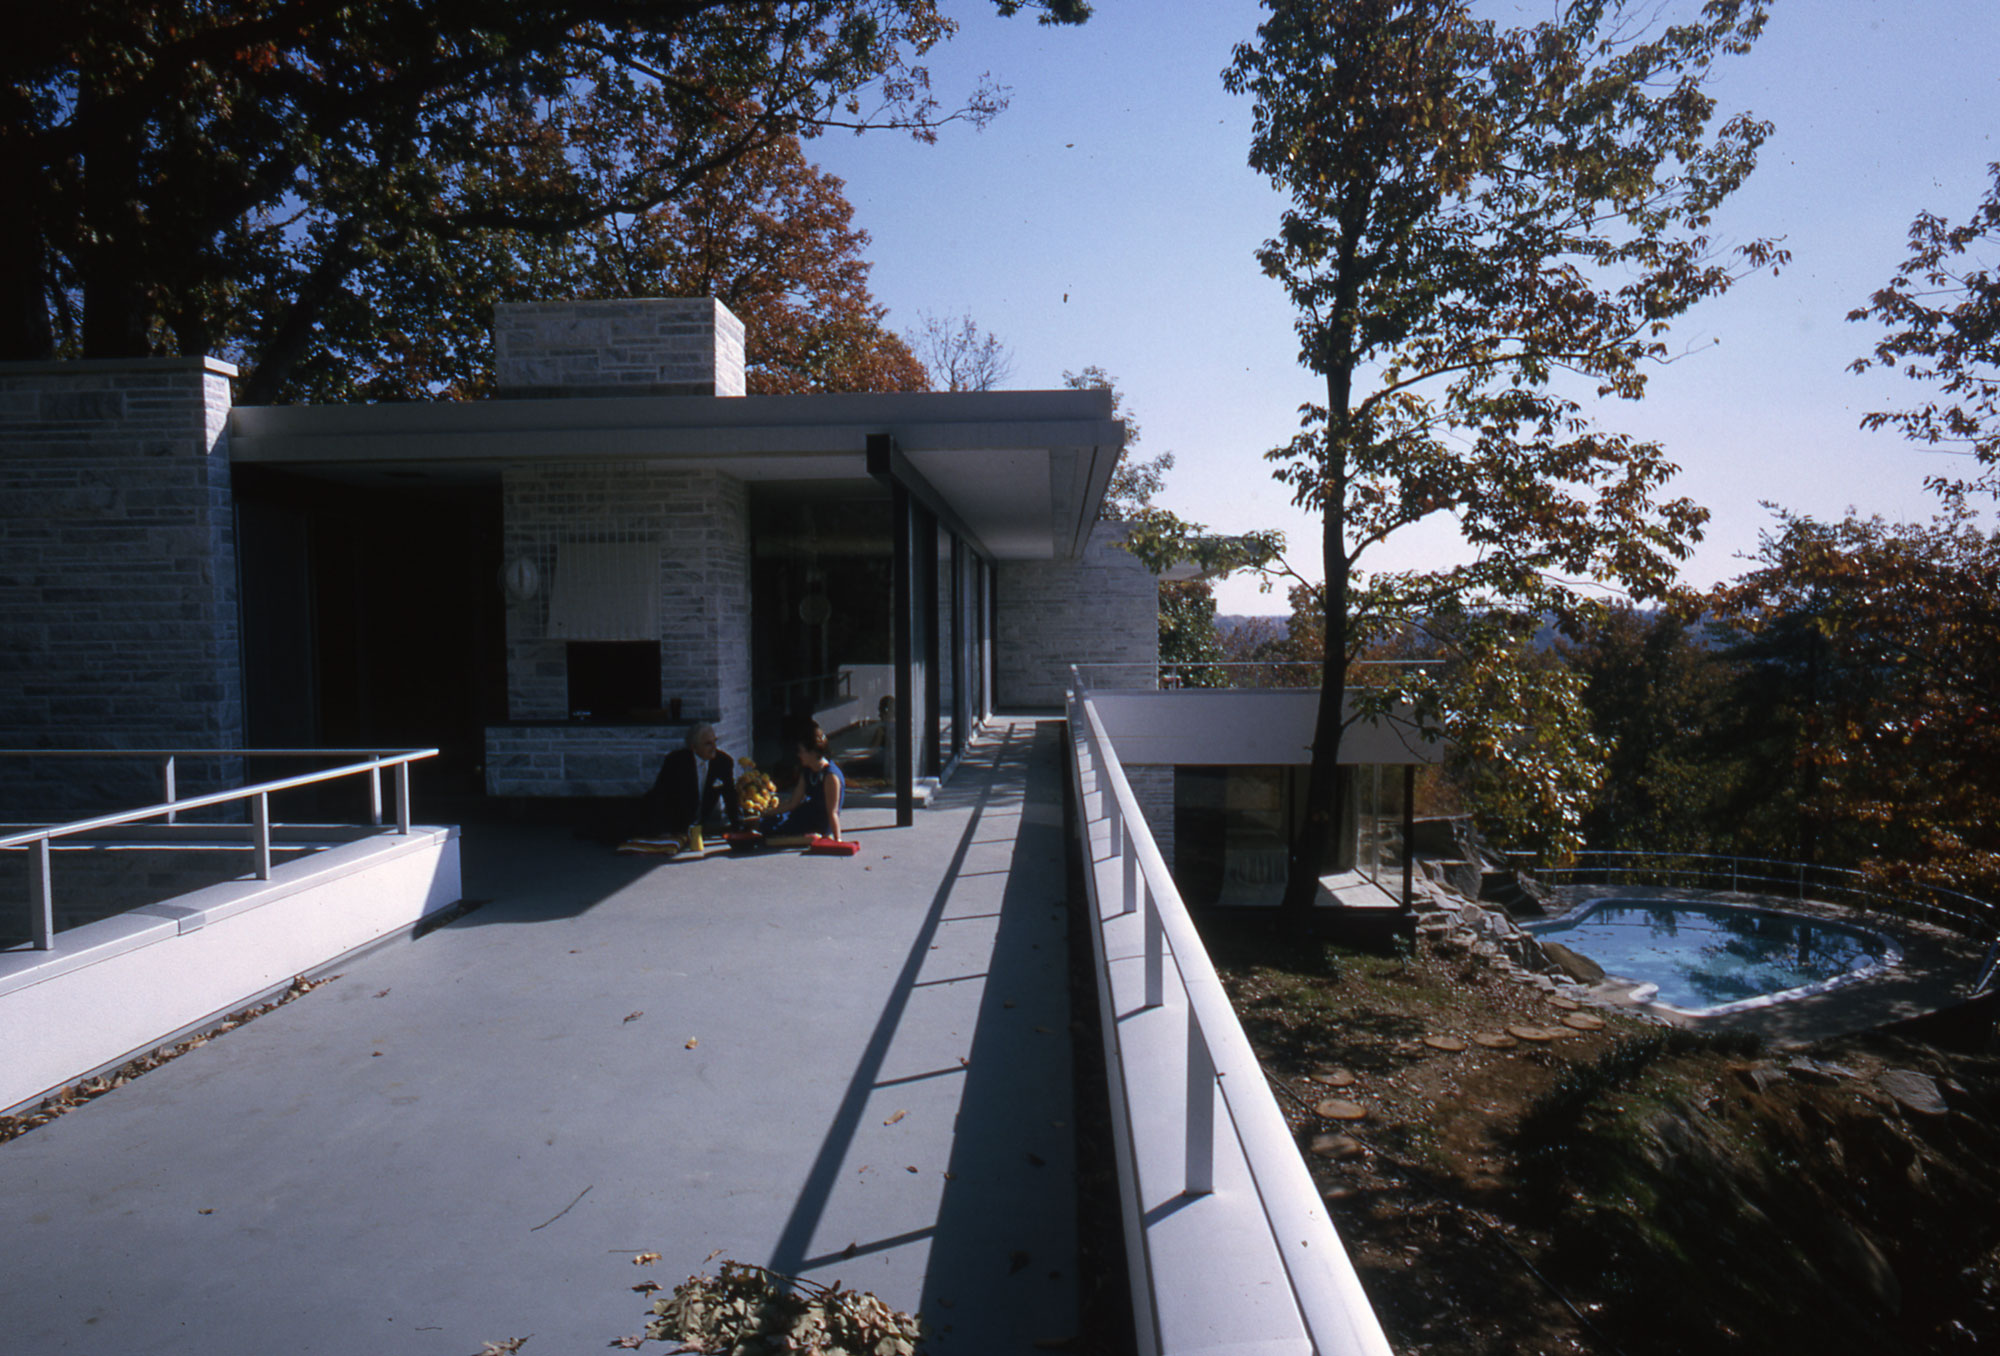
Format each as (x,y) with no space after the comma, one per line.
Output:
(696,786)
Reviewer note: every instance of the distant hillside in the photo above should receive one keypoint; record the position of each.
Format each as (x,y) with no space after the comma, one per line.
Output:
(1231,625)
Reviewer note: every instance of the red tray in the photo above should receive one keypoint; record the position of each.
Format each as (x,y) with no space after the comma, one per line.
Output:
(832,847)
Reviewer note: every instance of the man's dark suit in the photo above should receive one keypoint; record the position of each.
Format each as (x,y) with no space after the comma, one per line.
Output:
(675,802)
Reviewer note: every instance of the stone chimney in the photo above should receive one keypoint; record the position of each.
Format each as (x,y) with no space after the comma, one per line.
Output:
(640,346)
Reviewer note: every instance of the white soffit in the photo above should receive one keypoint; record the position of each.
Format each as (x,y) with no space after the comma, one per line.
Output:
(1001,493)
(1022,469)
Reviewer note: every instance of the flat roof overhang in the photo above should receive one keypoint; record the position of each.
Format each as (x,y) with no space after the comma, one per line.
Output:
(1025,471)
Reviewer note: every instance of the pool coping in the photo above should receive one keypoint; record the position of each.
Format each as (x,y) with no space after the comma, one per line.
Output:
(1643,992)
(1938,967)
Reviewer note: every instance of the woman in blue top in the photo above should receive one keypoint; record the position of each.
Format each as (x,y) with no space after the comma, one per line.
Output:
(813,804)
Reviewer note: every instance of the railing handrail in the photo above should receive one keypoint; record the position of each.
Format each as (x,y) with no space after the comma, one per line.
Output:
(1329,1298)
(179,804)
(200,753)
(1789,864)
(41,888)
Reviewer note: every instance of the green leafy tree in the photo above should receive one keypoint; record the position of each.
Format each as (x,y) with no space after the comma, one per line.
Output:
(1486,226)
(1942,310)
(1869,650)
(219,177)
(1658,691)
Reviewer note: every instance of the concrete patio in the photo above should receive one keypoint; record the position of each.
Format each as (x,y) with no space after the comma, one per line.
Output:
(843,1068)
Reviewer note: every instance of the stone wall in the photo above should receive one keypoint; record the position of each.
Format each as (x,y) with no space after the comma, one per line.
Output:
(580,760)
(700,520)
(1103,609)
(1154,786)
(118,614)
(640,346)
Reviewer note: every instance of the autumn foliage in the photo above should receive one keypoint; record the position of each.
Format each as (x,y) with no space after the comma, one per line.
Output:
(290,183)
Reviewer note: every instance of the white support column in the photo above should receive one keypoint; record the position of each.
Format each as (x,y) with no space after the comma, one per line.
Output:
(41,903)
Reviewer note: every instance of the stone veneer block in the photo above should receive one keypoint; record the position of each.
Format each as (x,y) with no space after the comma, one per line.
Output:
(700,520)
(578,760)
(637,346)
(1154,788)
(118,610)
(1102,609)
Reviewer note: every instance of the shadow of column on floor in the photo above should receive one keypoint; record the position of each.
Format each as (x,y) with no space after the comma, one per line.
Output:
(1002,1263)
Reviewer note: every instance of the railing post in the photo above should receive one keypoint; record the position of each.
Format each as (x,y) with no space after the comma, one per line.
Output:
(1156,953)
(1200,1111)
(1134,882)
(403,798)
(41,899)
(260,834)
(375,795)
(1114,821)
(167,777)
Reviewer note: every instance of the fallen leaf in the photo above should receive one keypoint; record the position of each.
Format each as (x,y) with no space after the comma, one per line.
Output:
(209,1211)
(1036,1161)
(383,994)
(645,1259)
(646,1287)
(503,1348)
(895,1116)
(851,1250)
(628,1343)
(376,1055)
(1044,1030)
(711,1257)
(693,1041)
(633,1017)
(911,1168)
(1017,1261)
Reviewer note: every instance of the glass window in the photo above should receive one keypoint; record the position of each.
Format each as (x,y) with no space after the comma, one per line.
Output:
(821,598)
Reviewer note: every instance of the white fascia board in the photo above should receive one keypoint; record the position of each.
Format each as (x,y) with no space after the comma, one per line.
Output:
(1246,727)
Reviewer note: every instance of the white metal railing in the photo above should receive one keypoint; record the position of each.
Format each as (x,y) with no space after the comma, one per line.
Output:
(1218,1063)
(1277,673)
(37,841)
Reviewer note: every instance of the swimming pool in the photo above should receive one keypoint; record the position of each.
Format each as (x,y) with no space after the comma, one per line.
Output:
(1707,957)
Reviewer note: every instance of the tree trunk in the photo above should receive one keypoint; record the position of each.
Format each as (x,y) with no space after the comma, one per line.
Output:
(286,343)
(25,335)
(1315,847)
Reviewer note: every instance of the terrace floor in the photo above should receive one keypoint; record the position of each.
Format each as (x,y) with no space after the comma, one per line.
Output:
(850,1068)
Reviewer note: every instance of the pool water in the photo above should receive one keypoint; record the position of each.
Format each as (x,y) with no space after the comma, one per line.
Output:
(1708,957)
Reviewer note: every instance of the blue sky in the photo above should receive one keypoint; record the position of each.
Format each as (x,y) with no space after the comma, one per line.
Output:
(1108,217)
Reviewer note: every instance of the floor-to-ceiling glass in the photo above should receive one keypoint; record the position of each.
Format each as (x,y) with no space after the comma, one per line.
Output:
(821,620)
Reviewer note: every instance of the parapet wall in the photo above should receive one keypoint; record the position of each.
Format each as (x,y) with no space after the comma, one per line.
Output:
(118,608)
(1102,609)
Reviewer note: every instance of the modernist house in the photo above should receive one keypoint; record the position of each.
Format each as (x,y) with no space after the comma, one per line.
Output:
(553,586)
